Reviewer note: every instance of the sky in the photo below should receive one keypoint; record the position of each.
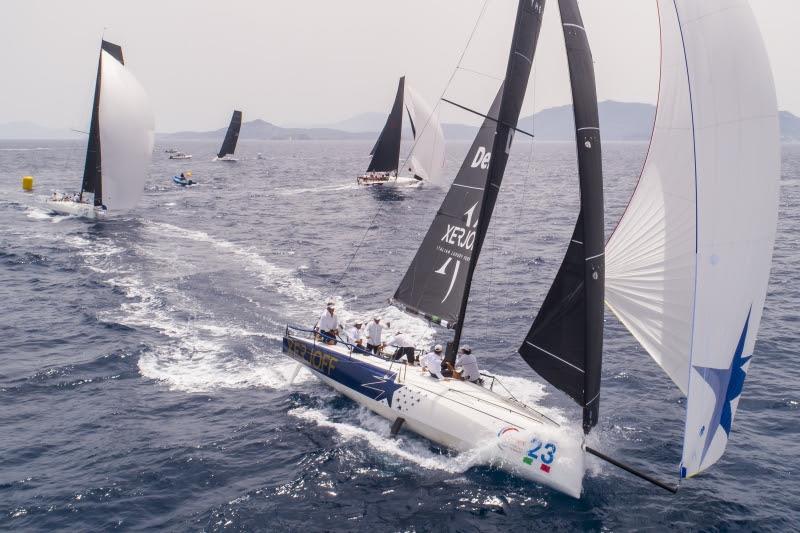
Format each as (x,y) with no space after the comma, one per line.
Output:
(315,62)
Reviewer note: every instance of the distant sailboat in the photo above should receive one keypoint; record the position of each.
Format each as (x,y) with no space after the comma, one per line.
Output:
(427,159)
(231,139)
(120,142)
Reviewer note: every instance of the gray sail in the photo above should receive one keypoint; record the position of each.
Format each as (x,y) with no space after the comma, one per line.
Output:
(438,281)
(92,170)
(231,136)
(386,152)
(565,343)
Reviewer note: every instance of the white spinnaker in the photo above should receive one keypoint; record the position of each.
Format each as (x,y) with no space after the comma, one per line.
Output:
(734,154)
(427,159)
(127,129)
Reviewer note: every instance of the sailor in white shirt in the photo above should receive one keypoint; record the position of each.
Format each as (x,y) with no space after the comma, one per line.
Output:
(356,335)
(432,362)
(374,332)
(467,365)
(328,325)
(403,346)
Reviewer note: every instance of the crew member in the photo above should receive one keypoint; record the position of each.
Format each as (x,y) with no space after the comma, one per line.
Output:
(467,365)
(374,332)
(404,346)
(328,324)
(356,336)
(432,362)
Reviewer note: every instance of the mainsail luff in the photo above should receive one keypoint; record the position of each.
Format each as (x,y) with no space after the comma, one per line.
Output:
(231,136)
(565,342)
(92,170)
(520,61)
(386,152)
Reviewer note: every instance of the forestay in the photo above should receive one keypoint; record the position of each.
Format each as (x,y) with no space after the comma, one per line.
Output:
(688,265)
(127,129)
(565,342)
(427,159)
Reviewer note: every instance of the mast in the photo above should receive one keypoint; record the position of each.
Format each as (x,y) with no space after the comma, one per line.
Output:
(518,69)
(231,136)
(92,172)
(386,152)
(565,342)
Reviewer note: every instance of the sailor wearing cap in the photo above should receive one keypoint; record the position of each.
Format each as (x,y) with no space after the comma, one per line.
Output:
(328,325)
(356,334)
(374,333)
(432,362)
(467,365)
(403,346)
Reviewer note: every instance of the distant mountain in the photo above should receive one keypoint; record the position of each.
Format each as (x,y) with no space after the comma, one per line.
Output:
(29,130)
(262,130)
(371,121)
(790,127)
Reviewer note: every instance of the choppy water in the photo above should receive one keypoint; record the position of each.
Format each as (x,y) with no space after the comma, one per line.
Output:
(142,383)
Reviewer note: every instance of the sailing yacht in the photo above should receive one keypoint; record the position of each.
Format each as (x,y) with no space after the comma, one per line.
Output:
(231,139)
(427,159)
(687,267)
(120,143)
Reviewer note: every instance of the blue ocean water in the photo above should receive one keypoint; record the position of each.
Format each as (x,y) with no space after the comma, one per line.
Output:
(142,383)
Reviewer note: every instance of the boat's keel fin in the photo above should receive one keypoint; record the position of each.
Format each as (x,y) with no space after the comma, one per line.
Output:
(294,373)
(396,425)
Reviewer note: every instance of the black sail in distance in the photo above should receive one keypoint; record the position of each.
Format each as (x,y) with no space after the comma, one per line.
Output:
(438,281)
(231,136)
(92,173)
(386,152)
(565,343)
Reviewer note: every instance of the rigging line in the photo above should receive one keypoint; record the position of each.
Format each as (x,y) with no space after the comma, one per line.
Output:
(479,73)
(447,85)
(435,107)
(506,124)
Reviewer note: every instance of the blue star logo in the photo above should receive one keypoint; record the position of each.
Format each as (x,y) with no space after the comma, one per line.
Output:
(727,385)
(385,387)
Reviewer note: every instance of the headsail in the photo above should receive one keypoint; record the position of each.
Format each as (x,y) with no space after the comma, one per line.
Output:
(437,282)
(231,136)
(92,169)
(386,152)
(127,129)
(427,158)
(565,343)
(689,263)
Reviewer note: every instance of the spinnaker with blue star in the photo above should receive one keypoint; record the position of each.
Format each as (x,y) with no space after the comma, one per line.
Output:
(688,264)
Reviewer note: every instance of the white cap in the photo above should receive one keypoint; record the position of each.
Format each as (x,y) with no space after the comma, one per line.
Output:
(466,348)
(376,317)
(331,303)
(437,348)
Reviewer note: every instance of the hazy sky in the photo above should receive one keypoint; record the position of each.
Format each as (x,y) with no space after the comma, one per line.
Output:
(319,61)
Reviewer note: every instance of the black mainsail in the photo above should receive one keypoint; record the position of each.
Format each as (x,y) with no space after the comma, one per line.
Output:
(437,283)
(386,152)
(232,135)
(92,170)
(565,343)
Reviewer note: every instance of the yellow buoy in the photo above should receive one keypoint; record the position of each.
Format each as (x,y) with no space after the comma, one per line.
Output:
(27,183)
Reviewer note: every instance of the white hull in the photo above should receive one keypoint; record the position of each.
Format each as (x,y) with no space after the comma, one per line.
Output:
(179,157)
(400,181)
(78,209)
(227,159)
(458,415)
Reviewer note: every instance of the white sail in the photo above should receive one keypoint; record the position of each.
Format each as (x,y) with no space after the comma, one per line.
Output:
(127,129)
(427,159)
(688,266)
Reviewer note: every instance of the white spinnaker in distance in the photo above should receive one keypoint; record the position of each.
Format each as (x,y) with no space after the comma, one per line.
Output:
(427,159)
(127,129)
(696,308)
